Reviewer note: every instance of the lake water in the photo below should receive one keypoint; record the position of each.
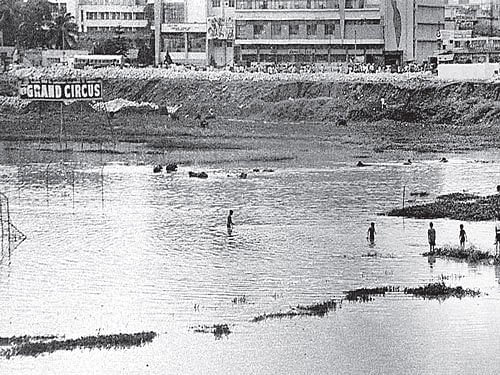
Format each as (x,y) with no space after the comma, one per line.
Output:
(112,247)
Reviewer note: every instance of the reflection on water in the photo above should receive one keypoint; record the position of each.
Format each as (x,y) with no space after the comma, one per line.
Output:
(120,249)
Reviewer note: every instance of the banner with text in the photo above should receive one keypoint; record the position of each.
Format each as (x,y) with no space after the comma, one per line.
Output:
(60,90)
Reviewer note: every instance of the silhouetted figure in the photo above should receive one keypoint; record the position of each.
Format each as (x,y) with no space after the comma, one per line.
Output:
(230,223)
(370,235)
(462,236)
(431,237)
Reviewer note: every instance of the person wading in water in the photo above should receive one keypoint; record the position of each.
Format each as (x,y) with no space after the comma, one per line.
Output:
(370,235)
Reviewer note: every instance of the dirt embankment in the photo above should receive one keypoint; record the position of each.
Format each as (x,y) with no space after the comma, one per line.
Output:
(459,103)
(419,100)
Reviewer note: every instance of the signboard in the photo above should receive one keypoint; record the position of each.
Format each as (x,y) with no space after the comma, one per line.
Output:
(220,28)
(463,34)
(60,90)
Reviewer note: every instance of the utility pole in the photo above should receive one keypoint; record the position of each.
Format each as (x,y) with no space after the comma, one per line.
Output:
(157,23)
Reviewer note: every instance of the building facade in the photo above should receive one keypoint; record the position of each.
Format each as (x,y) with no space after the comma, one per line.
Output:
(108,15)
(227,32)
(332,31)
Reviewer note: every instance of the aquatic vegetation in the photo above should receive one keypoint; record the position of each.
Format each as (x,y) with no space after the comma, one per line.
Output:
(366,294)
(317,309)
(471,254)
(218,330)
(17,340)
(431,291)
(239,299)
(33,346)
(458,206)
(441,291)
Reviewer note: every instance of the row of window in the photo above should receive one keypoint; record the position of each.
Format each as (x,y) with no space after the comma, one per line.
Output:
(111,28)
(113,2)
(227,3)
(305,4)
(173,12)
(287,4)
(313,48)
(277,28)
(176,42)
(115,15)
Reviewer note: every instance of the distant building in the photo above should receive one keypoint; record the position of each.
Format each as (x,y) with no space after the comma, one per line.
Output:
(62,7)
(332,31)
(108,15)
(459,46)
(184,30)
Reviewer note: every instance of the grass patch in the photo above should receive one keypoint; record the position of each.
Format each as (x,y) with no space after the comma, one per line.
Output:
(317,309)
(457,206)
(36,345)
(470,255)
(218,330)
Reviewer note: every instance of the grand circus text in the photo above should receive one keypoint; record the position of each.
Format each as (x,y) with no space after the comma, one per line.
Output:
(39,90)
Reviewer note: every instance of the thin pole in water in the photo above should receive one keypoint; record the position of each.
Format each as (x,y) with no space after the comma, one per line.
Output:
(1,217)
(404,191)
(47,181)
(73,186)
(102,186)
(8,220)
(62,125)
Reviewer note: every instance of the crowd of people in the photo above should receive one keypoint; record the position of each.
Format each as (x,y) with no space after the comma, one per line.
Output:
(343,68)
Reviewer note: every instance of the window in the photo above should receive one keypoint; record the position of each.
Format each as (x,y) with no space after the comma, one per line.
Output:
(231,3)
(275,29)
(294,28)
(175,42)
(240,30)
(329,29)
(139,16)
(215,3)
(173,12)
(258,29)
(196,42)
(311,29)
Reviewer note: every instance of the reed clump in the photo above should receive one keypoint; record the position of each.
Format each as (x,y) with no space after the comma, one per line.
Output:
(218,330)
(457,206)
(34,346)
(317,309)
(470,254)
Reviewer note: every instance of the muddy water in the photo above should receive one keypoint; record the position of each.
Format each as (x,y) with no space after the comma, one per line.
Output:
(113,248)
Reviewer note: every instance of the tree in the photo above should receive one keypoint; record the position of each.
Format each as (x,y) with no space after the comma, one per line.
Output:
(63,32)
(117,45)
(9,21)
(35,18)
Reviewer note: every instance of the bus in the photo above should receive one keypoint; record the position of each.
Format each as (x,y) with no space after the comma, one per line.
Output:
(97,61)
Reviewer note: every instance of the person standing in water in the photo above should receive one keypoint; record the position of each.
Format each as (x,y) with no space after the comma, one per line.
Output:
(370,235)
(431,236)
(462,236)
(230,223)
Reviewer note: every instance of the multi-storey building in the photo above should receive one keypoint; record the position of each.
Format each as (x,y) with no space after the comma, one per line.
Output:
(220,32)
(184,30)
(107,15)
(64,6)
(326,31)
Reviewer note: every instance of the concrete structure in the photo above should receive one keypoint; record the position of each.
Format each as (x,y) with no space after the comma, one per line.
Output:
(220,32)
(107,15)
(467,71)
(460,46)
(184,30)
(329,31)
(64,6)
